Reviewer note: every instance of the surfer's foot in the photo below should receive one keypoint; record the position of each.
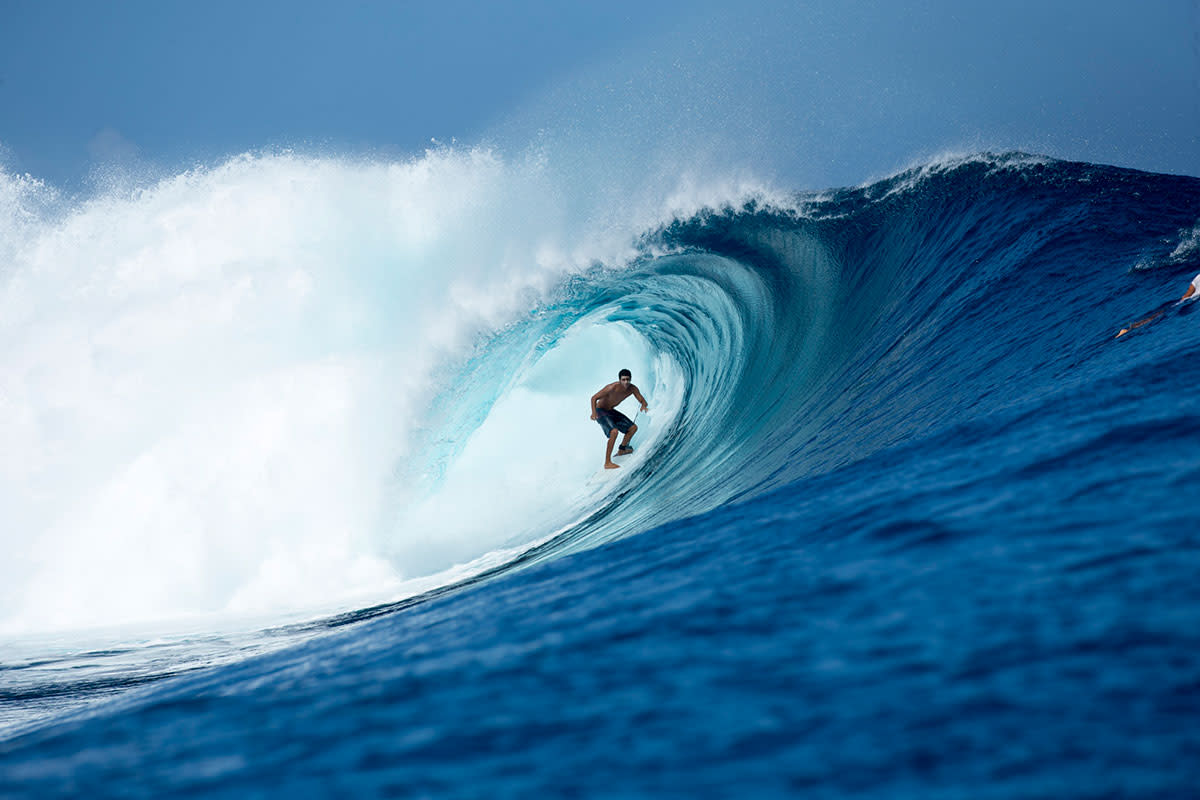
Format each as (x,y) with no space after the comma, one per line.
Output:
(611,465)
(624,451)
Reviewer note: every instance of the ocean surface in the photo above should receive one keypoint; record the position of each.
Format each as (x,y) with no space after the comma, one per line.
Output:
(301,496)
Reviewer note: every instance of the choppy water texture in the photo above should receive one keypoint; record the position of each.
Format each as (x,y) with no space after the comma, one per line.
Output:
(906,520)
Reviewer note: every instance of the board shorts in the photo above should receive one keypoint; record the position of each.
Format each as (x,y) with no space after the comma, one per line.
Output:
(610,418)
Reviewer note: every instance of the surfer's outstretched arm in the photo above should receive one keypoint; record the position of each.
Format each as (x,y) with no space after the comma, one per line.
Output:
(1139,323)
(1146,320)
(1188,294)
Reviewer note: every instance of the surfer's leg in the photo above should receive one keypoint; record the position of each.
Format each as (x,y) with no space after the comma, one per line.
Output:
(628,435)
(612,439)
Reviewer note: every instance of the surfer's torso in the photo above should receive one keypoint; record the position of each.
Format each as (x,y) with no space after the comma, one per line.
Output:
(613,395)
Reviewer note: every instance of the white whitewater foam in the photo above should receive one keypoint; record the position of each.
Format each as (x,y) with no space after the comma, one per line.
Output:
(206,384)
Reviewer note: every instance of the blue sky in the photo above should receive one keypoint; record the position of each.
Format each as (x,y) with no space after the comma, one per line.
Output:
(813,94)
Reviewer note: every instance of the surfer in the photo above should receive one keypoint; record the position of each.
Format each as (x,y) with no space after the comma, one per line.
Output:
(604,411)
(1189,294)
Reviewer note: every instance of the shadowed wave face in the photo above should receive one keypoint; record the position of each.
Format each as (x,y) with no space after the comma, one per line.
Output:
(904,517)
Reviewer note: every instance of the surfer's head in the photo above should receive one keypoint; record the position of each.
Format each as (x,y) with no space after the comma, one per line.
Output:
(625,376)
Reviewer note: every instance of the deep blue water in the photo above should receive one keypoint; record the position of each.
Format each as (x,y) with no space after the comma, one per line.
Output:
(921,527)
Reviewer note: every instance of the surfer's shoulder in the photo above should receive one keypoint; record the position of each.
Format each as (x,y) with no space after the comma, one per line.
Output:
(1190,292)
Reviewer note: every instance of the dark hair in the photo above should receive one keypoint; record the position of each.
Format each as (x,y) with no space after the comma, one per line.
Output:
(623,373)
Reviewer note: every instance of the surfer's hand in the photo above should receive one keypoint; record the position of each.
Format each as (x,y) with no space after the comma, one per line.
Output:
(645,407)
(593,415)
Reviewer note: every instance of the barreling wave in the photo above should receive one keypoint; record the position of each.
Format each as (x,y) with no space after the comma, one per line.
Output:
(283,400)
(785,342)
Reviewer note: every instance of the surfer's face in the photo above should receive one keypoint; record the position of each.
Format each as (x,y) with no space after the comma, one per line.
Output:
(625,381)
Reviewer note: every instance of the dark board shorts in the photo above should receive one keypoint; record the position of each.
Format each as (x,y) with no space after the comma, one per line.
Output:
(610,418)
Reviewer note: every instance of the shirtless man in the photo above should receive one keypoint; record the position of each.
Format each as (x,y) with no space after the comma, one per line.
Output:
(1188,294)
(604,411)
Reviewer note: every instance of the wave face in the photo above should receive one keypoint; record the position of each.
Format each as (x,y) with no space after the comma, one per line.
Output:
(901,500)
